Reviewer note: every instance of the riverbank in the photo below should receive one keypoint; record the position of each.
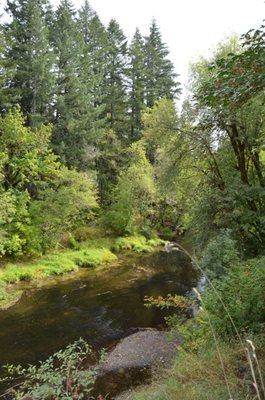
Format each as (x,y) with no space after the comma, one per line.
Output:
(197,375)
(219,359)
(96,252)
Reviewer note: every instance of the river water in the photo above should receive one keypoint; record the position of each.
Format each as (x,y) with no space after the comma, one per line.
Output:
(100,306)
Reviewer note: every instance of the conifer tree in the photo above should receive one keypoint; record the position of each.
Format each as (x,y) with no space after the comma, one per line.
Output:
(137,81)
(160,75)
(92,72)
(3,73)
(72,113)
(115,85)
(30,57)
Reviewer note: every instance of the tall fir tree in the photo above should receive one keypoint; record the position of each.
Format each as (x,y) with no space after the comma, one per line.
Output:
(92,72)
(115,80)
(29,56)
(160,75)
(72,100)
(3,73)
(136,74)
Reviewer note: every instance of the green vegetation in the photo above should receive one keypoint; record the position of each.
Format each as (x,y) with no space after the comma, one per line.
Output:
(72,96)
(91,136)
(237,301)
(62,376)
(137,243)
(198,376)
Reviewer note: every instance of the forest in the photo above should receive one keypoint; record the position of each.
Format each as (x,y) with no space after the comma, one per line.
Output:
(98,154)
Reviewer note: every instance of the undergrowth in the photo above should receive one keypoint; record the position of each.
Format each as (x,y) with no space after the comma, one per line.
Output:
(222,354)
(198,376)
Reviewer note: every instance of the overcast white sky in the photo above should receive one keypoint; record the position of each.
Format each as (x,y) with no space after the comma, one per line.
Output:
(189,27)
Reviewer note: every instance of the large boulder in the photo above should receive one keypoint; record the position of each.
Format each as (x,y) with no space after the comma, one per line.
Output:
(145,348)
(133,359)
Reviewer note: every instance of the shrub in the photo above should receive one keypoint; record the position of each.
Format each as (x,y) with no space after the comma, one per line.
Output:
(242,290)
(133,196)
(40,199)
(220,255)
(62,376)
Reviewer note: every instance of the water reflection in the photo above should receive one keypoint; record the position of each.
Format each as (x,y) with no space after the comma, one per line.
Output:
(100,307)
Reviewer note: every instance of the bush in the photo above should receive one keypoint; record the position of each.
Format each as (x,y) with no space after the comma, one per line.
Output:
(40,199)
(62,376)
(133,196)
(242,291)
(220,255)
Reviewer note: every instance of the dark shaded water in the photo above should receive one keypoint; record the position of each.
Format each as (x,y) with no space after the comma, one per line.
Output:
(100,306)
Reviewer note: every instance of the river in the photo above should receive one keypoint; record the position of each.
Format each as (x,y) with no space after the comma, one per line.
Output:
(100,306)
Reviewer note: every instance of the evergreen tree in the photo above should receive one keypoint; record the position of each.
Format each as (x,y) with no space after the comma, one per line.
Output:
(3,72)
(94,41)
(72,113)
(29,56)
(137,82)
(115,86)
(97,48)
(160,75)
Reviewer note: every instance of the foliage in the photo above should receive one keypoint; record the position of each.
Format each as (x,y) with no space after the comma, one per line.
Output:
(70,203)
(42,199)
(134,194)
(228,127)
(168,148)
(136,243)
(57,263)
(29,57)
(220,255)
(242,291)
(62,376)
(198,375)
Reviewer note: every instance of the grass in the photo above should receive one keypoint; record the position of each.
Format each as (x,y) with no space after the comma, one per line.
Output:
(137,243)
(198,376)
(56,264)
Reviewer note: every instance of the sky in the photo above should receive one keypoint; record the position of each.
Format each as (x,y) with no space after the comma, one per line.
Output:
(189,27)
